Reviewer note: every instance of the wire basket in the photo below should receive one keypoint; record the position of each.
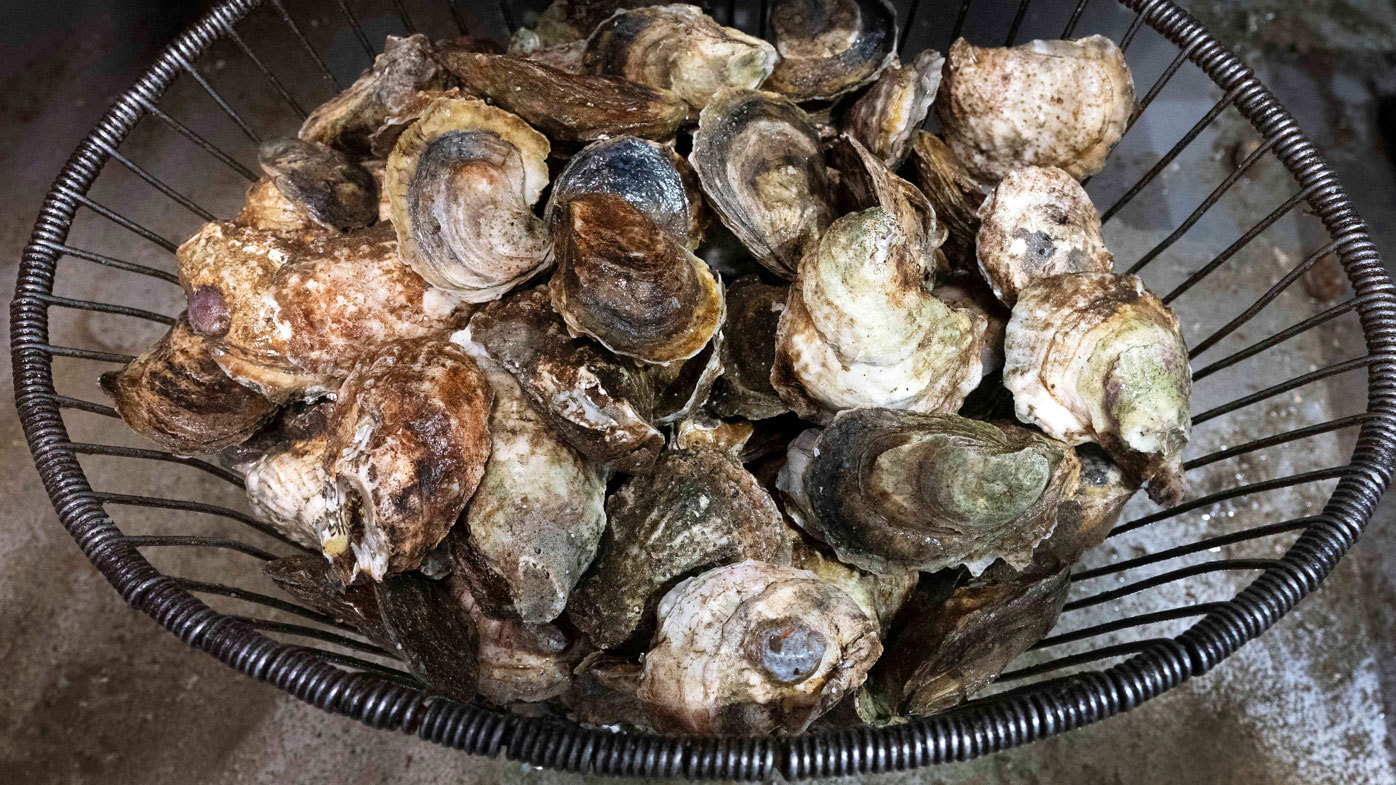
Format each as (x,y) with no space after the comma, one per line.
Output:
(304,51)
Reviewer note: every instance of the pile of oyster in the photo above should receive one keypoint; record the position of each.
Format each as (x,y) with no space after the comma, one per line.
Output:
(554,436)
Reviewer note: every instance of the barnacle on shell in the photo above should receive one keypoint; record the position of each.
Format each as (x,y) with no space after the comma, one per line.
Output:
(830,47)
(886,117)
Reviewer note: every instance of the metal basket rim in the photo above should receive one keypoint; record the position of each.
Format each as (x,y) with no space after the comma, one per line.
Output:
(1035,712)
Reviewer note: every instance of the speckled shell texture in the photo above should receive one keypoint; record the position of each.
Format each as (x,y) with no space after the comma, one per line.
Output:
(868,182)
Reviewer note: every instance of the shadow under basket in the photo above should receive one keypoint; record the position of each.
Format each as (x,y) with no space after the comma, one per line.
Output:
(299,52)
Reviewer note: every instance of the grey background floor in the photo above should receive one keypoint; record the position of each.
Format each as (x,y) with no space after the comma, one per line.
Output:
(96,692)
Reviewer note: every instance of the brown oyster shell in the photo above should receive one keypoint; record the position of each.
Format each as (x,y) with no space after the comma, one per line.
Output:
(600,405)
(1044,103)
(516,661)
(701,431)
(879,596)
(333,190)
(867,182)
(761,164)
(955,195)
(409,111)
(1086,517)
(346,121)
(1038,221)
(744,389)
(891,491)
(569,107)
(830,47)
(536,518)
(887,116)
(408,444)
(625,282)
(694,511)
(678,48)
(682,388)
(754,649)
(267,209)
(566,22)
(176,395)
(605,692)
(462,180)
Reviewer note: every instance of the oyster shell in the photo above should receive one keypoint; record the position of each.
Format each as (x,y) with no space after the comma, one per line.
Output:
(569,107)
(1038,222)
(954,648)
(516,661)
(290,319)
(886,117)
(868,182)
(176,395)
(753,313)
(891,491)
(761,164)
(862,329)
(651,176)
(695,510)
(879,596)
(346,121)
(286,483)
(536,518)
(563,57)
(567,21)
(383,140)
(408,443)
(1044,103)
(969,293)
(679,48)
(461,181)
(605,692)
(830,47)
(703,432)
(955,195)
(623,281)
(1086,517)
(267,209)
(682,388)
(600,405)
(333,191)
(1097,357)
(754,649)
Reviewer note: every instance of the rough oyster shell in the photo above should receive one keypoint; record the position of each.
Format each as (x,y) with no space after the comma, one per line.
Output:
(1086,517)
(567,21)
(1044,103)
(754,649)
(886,117)
(679,48)
(176,395)
(625,282)
(955,195)
(600,405)
(868,182)
(461,181)
(862,329)
(286,483)
(1097,357)
(383,140)
(703,432)
(694,511)
(333,191)
(1038,222)
(569,107)
(536,518)
(969,293)
(267,209)
(683,388)
(516,661)
(346,121)
(409,439)
(605,692)
(891,491)
(753,313)
(761,164)
(649,175)
(830,47)
(879,596)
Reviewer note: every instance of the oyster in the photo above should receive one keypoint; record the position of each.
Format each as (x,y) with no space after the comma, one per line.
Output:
(955,195)
(969,293)
(697,509)
(703,432)
(461,181)
(605,692)
(625,282)
(346,121)
(754,649)
(744,389)
(761,164)
(290,319)
(600,405)
(682,388)
(516,661)
(1044,103)
(830,47)
(868,182)
(563,57)
(954,648)
(333,191)
(383,140)
(1097,357)
(862,329)
(267,209)
(408,443)
(569,107)
(886,117)
(651,176)
(533,525)
(567,21)
(286,483)
(879,596)
(891,491)
(678,48)
(1038,222)
(176,395)
(1085,518)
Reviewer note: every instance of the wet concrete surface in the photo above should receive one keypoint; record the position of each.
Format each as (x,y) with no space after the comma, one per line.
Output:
(96,692)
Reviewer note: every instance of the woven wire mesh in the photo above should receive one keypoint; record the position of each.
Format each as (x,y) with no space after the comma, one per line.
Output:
(301,52)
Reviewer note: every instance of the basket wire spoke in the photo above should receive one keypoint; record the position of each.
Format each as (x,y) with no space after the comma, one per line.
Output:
(385,696)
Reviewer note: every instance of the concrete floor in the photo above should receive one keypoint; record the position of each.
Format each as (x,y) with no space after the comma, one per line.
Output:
(96,692)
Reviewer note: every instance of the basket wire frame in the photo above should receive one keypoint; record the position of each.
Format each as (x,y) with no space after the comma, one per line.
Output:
(357,678)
